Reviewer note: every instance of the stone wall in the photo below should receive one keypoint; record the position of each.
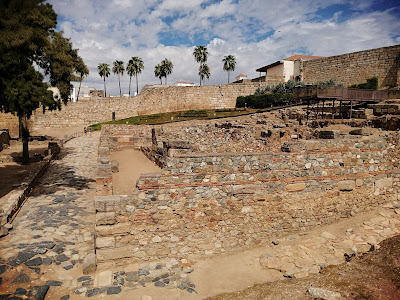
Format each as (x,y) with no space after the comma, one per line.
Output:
(356,67)
(210,203)
(150,101)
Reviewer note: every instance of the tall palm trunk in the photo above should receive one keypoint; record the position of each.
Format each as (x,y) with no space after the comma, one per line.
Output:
(119,82)
(137,85)
(105,86)
(24,135)
(130,80)
(228,75)
(79,90)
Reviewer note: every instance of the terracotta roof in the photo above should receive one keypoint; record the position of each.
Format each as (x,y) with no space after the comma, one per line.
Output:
(241,75)
(300,56)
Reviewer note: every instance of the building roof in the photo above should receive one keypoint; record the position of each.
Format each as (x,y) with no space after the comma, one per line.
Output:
(290,58)
(241,75)
(303,57)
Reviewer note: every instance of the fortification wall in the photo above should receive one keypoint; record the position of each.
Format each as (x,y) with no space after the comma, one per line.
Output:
(150,101)
(356,67)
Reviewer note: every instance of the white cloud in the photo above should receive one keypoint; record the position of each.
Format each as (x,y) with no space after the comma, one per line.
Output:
(106,31)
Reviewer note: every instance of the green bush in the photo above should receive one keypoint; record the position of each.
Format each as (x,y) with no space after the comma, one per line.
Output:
(264,100)
(371,84)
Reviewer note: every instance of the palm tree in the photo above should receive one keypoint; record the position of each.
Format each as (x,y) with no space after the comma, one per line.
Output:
(204,71)
(158,72)
(104,71)
(135,66)
(229,64)
(118,69)
(200,54)
(82,70)
(166,66)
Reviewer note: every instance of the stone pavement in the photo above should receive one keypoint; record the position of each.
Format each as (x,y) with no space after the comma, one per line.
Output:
(53,232)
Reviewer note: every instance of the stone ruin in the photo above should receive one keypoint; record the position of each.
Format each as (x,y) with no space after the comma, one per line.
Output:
(230,184)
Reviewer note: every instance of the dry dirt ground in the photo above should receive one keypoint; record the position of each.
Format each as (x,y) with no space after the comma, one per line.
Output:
(374,275)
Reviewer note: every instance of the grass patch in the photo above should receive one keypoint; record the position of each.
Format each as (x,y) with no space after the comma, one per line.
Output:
(182,116)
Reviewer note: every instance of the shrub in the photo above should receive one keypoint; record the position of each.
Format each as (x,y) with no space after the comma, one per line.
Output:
(264,100)
(371,84)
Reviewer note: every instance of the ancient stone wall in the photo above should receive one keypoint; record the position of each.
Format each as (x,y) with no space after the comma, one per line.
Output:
(210,203)
(356,67)
(150,101)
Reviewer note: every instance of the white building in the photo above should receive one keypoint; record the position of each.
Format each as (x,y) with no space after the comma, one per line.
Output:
(289,68)
(184,83)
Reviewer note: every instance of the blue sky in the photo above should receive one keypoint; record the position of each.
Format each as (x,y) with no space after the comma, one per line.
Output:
(256,32)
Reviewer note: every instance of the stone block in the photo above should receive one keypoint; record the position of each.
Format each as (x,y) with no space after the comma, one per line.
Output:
(384,182)
(115,253)
(111,203)
(105,242)
(120,228)
(296,187)
(89,264)
(105,218)
(244,189)
(328,134)
(346,185)
(362,131)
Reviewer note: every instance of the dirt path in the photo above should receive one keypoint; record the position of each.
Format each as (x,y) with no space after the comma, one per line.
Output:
(132,163)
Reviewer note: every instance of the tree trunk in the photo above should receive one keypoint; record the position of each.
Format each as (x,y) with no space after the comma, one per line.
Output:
(165,80)
(119,82)
(228,76)
(104,86)
(130,80)
(137,85)
(79,90)
(24,134)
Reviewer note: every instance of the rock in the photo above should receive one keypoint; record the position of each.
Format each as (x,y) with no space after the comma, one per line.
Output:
(145,297)
(328,134)
(114,166)
(92,292)
(22,278)
(47,244)
(113,290)
(105,242)
(159,284)
(157,239)
(296,187)
(323,294)
(132,276)
(8,226)
(53,283)
(89,264)
(38,292)
(3,230)
(37,261)
(84,278)
(346,185)
(142,272)
(47,261)
(3,268)
(62,258)
(104,278)
(20,291)
(81,290)
(65,297)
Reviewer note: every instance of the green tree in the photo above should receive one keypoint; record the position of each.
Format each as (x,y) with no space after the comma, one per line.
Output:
(229,64)
(158,72)
(166,67)
(135,66)
(204,72)
(30,47)
(201,55)
(119,69)
(103,70)
(82,71)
